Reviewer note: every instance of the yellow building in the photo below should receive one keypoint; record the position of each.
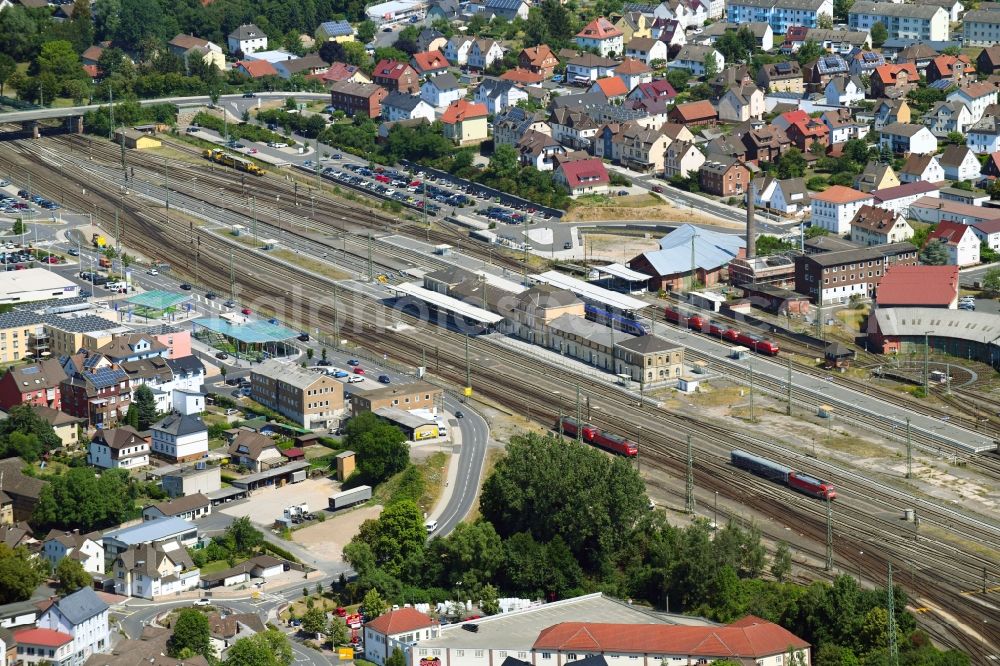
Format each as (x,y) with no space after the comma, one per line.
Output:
(465,122)
(634,24)
(335,31)
(136,140)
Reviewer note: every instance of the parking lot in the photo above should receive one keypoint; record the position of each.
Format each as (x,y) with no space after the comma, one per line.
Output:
(21,202)
(266,504)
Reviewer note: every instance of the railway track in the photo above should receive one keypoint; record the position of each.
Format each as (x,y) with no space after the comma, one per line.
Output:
(266,281)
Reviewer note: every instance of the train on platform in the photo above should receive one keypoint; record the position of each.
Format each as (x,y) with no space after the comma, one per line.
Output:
(698,323)
(772,471)
(221,157)
(597,437)
(619,321)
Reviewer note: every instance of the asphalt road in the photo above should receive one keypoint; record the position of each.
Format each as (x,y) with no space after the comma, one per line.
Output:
(475,436)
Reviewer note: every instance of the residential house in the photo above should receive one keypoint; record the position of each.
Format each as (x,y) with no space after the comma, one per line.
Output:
(400,106)
(92,54)
(959,163)
(430,39)
(633,72)
(844,126)
(918,54)
(955,8)
(911,21)
(864,62)
(95,389)
(35,384)
(254,451)
(981,27)
(741,103)
(891,111)
(834,208)
(953,69)
(586,176)
(538,150)
(457,50)
(641,148)
(19,493)
(694,113)
(507,10)
(180,438)
(84,548)
(440,91)
(682,159)
(988,60)
(38,647)
(465,122)
(152,570)
(398,629)
(247,39)
(483,53)
(817,74)
(991,169)
(357,98)
(984,136)
(587,68)
(947,117)
(612,88)
(903,138)
(786,197)
(762,33)
(634,24)
(335,31)
(939,209)
(766,143)
(65,427)
(498,95)
(780,14)
(894,81)
(227,628)
(834,277)
(781,77)
(844,91)
(723,176)
(429,63)
(689,14)
(921,167)
(976,96)
(806,133)
(309,399)
(646,49)
(573,128)
(187,46)
(510,126)
(118,448)
(961,241)
(255,69)
(189,507)
(654,91)
(394,75)
(692,57)
(899,199)
(538,59)
(82,615)
(988,232)
(670,32)
(602,35)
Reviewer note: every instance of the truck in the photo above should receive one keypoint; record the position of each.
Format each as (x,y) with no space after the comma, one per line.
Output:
(98,240)
(104,262)
(350,497)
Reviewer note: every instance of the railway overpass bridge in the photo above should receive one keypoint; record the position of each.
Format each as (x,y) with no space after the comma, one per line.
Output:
(72,116)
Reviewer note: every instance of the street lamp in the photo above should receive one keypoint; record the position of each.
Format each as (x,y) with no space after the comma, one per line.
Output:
(861,554)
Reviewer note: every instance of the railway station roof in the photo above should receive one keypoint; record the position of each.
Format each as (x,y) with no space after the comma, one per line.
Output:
(157,300)
(591,292)
(623,272)
(447,303)
(250,332)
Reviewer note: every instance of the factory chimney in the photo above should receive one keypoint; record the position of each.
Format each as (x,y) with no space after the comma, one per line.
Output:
(751,224)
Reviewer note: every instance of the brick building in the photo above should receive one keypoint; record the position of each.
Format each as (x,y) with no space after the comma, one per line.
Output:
(723,176)
(394,75)
(357,98)
(417,395)
(833,277)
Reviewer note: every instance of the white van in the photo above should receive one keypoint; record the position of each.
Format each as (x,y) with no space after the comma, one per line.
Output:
(116,286)
(431,525)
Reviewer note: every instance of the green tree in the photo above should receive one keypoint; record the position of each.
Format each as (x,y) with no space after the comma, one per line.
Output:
(191,632)
(314,621)
(711,66)
(366,31)
(7,68)
(269,648)
(139,20)
(991,281)
(19,228)
(20,573)
(71,575)
(106,18)
(781,566)
(374,604)
(956,138)
(504,161)
(879,34)
(395,536)
(245,538)
(338,633)
(792,164)
(935,253)
(841,8)
(81,25)
(397,658)
(146,404)
(489,601)
(527,492)
(809,52)
(79,499)
(678,78)
(36,436)
(381,447)
(470,556)
(19,33)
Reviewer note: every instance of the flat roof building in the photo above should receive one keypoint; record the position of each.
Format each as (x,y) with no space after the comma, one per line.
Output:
(35,284)
(415,395)
(157,530)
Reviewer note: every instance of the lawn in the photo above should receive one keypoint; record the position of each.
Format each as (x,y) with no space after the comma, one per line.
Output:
(631,201)
(215,566)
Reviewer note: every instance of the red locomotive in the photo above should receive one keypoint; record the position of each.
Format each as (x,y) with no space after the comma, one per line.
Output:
(676,317)
(757,344)
(594,436)
(811,485)
(731,335)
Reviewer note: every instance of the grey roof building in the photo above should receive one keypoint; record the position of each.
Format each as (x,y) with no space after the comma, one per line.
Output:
(179,425)
(80,606)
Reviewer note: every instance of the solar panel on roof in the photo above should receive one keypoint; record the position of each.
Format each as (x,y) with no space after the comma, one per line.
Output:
(783,67)
(30,370)
(832,62)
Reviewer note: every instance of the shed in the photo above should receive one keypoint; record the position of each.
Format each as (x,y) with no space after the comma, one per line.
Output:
(345,465)
(136,140)
(294,454)
(838,355)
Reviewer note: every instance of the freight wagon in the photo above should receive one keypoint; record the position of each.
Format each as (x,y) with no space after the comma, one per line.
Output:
(773,471)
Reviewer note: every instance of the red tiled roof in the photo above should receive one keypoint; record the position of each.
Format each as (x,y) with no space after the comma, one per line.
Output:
(950,233)
(811,127)
(696,110)
(390,69)
(600,28)
(918,285)
(750,637)
(43,637)
(461,109)
(537,55)
(400,621)
(257,68)
(521,75)
(838,194)
(632,66)
(657,89)
(429,61)
(585,172)
(945,63)
(887,74)
(612,86)
(339,72)
(792,117)
(293,453)
(92,71)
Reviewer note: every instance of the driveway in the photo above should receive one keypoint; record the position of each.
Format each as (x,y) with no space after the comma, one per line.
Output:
(266,504)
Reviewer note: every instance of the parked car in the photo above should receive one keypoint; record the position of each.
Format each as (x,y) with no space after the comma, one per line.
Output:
(245,311)
(249,95)
(384,379)
(222,356)
(303,337)
(211,295)
(185,286)
(340,374)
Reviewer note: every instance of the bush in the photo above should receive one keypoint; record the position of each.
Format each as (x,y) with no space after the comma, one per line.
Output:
(817,183)
(279,551)
(239,130)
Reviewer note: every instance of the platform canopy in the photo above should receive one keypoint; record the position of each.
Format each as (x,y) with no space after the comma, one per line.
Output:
(252,332)
(157,300)
(591,292)
(623,272)
(447,303)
